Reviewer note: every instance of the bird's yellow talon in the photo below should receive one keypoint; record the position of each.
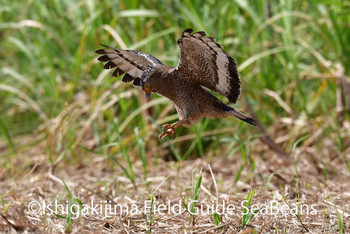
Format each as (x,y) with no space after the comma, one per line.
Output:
(167,130)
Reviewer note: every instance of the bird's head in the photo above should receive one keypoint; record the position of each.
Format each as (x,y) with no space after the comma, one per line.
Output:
(146,81)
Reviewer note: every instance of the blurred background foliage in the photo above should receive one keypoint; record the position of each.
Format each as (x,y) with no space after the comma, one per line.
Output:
(293,58)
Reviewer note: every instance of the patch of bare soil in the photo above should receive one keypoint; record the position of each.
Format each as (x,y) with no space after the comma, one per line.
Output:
(111,203)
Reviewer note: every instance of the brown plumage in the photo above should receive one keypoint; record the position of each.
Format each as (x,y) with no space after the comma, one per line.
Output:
(202,65)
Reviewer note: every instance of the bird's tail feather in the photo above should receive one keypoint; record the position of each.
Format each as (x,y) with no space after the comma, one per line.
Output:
(242,116)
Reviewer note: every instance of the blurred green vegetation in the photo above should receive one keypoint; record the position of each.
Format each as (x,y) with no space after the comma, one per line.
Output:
(293,58)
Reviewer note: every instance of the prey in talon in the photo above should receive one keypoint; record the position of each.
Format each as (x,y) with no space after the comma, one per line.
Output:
(203,65)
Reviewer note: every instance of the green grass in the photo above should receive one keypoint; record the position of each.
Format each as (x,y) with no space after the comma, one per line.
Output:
(71,210)
(47,61)
(217,219)
(150,217)
(4,206)
(196,185)
(293,58)
(340,223)
(248,215)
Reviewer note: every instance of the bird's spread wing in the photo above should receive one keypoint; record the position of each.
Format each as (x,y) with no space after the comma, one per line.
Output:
(203,61)
(130,62)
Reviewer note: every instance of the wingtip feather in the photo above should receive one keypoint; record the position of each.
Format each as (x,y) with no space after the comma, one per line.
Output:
(103,51)
(187,32)
(100,51)
(199,34)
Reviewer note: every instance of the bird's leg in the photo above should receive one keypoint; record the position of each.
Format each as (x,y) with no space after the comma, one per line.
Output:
(169,129)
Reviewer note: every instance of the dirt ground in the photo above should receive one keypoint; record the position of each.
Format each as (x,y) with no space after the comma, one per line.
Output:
(111,203)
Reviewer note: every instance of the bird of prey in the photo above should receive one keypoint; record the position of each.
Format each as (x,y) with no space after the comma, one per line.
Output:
(203,66)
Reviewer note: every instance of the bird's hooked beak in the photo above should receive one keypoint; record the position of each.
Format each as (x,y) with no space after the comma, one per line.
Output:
(147,91)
